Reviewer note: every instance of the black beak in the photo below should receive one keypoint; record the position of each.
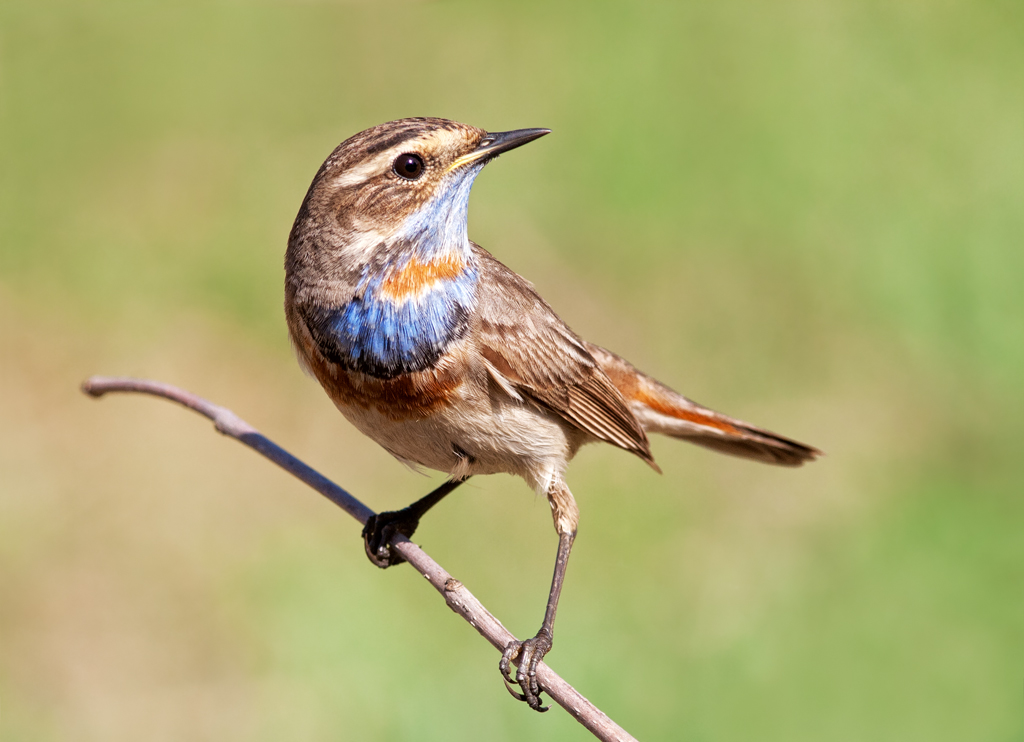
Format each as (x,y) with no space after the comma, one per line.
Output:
(496,142)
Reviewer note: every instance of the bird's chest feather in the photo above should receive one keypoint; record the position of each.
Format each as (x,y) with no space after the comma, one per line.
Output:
(402,318)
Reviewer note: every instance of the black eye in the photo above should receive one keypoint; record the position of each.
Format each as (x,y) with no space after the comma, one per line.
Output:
(409,166)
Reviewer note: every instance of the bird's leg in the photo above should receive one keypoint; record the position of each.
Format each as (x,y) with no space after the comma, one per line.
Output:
(531,651)
(381,527)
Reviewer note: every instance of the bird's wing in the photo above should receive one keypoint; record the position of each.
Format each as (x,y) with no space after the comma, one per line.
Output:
(532,354)
(662,410)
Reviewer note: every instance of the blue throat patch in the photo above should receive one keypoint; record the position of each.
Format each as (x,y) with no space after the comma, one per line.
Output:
(384,337)
(413,302)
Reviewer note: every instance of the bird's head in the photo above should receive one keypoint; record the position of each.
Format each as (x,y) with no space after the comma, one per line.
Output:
(404,180)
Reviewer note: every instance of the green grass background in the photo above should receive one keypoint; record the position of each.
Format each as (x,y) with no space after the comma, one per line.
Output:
(807,214)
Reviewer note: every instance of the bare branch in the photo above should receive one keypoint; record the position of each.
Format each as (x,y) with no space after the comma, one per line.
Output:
(458,598)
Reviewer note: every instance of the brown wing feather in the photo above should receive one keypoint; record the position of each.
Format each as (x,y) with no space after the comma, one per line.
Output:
(544,361)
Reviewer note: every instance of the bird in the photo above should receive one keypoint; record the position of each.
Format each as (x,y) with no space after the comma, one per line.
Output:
(453,362)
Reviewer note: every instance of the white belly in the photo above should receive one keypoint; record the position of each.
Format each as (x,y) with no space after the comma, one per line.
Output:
(477,436)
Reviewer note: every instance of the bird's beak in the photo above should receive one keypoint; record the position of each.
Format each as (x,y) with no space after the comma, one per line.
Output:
(494,143)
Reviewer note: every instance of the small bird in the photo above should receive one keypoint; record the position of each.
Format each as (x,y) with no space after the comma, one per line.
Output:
(452,361)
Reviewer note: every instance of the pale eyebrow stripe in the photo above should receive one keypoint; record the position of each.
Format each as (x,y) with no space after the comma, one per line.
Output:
(379,163)
(361,173)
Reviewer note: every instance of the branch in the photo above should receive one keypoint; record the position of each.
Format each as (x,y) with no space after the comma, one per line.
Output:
(458,598)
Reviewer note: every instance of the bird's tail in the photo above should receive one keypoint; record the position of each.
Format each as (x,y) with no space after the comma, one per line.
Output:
(661,410)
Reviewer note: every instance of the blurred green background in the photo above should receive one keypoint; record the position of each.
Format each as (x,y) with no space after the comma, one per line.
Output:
(806,214)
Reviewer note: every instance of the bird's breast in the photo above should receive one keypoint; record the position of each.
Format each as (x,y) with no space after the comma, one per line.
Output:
(402,318)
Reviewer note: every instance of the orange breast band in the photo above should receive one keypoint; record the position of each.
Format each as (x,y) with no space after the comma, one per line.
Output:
(415,276)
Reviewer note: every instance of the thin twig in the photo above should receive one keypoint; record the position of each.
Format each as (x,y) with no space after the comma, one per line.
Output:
(458,598)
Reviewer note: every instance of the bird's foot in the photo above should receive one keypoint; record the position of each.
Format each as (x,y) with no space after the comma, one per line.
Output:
(378,532)
(529,653)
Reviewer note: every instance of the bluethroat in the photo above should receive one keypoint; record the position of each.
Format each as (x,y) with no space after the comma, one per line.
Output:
(450,360)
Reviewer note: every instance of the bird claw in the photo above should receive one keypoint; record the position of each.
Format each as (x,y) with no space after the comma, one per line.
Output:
(515,694)
(529,653)
(378,531)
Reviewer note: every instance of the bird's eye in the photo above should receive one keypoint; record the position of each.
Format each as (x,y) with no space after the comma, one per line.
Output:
(409,166)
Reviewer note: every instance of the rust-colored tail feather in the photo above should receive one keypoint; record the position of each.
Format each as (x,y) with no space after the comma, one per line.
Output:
(662,410)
